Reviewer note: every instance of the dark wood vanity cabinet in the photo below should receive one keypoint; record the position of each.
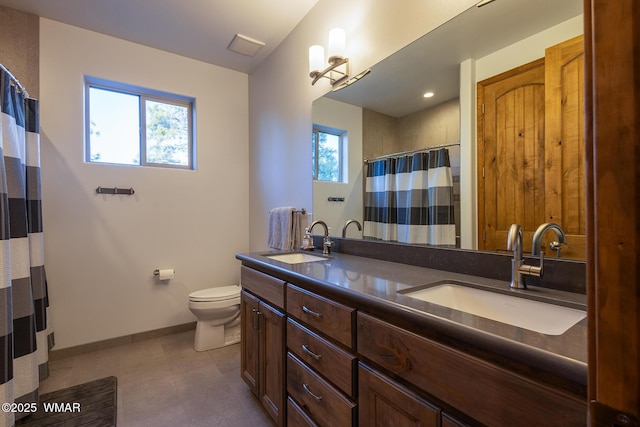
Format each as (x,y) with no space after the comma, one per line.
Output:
(263,341)
(324,363)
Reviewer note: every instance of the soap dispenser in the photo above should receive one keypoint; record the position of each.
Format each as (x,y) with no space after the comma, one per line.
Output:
(307,241)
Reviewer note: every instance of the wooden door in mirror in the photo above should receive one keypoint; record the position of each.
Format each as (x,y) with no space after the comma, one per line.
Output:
(525,115)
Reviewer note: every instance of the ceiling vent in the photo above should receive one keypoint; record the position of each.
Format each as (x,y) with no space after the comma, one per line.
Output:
(245,45)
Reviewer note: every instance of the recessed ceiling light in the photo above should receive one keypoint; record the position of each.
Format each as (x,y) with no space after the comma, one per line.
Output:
(245,45)
(428,94)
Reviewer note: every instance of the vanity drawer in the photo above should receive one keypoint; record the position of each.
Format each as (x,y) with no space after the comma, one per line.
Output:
(266,287)
(296,416)
(483,391)
(330,361)
(330,318)
(323,403)
(382,400)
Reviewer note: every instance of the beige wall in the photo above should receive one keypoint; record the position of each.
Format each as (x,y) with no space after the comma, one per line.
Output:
(19,47)
(101,250)
(435,126)
(380,134)
(527,50)
(439,125)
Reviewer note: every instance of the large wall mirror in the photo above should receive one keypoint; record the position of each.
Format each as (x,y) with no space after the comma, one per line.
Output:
(386,113)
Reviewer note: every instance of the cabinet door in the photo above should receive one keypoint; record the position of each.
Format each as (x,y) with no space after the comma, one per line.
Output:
(250,346)
(272,353)
(383,402)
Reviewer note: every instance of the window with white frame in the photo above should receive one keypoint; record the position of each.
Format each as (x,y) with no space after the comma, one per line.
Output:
(329,154)
(129,125)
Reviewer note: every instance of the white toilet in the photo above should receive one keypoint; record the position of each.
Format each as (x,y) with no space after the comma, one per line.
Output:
(218,313)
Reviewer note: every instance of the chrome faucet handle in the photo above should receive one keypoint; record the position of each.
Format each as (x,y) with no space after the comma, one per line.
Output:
(557,246)
(327,245)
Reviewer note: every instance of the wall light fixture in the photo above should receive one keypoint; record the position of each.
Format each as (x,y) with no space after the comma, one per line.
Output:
(338,70)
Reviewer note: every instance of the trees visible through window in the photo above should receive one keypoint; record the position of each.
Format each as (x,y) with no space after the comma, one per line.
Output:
(133,126)
(328,149)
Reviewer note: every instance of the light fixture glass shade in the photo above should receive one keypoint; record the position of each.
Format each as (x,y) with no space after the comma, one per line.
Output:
(316,58)
(337,43)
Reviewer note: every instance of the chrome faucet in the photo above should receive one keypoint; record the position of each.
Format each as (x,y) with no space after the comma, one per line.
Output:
(561,238)
(514,243)
(344,229)
(327,243)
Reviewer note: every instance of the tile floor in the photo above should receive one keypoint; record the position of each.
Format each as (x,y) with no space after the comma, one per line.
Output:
(165,382)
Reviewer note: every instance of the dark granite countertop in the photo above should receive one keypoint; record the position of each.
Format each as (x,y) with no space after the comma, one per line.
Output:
(375,286)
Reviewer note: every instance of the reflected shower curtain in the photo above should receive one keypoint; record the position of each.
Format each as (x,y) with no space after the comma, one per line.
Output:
(410,199)
(25,338)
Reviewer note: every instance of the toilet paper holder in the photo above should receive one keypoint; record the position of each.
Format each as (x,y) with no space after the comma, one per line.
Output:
(156,272)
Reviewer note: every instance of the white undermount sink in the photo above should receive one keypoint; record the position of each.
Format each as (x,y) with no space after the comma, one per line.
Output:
(549,319)
(296,257)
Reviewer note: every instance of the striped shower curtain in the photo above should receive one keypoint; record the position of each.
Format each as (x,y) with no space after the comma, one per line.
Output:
(25,338)
(409,199)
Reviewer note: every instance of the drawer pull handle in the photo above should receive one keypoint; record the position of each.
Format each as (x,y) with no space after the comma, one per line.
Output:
(311,353)
(311,312)
(315,396)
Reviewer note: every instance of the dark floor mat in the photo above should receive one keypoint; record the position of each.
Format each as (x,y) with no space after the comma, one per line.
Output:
(89,404)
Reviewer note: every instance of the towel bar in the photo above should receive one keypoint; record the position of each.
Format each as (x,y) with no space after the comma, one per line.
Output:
(114,190)
(303,211)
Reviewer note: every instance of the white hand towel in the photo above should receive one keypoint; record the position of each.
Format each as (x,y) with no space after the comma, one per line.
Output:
(280,227)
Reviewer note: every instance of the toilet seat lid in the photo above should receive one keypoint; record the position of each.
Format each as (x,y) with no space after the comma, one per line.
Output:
(220,293)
